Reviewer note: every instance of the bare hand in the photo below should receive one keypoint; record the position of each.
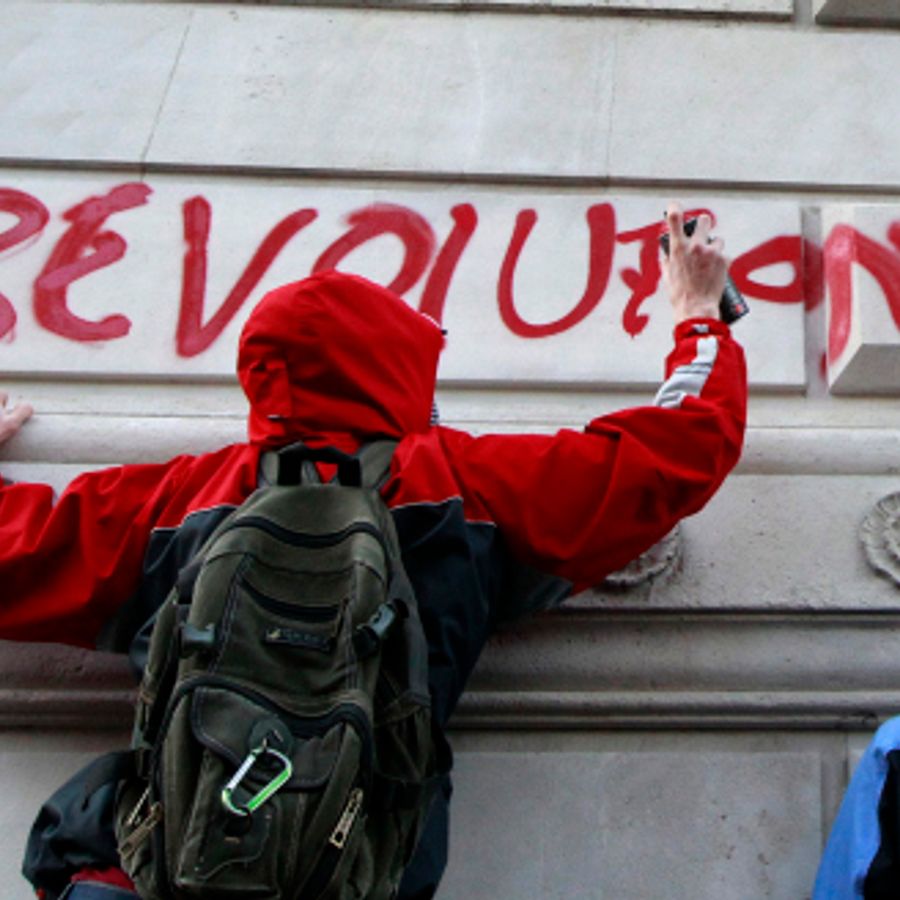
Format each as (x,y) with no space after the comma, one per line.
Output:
(695,270)
(11,420)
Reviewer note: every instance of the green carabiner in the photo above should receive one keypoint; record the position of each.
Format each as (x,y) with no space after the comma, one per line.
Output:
(264,793)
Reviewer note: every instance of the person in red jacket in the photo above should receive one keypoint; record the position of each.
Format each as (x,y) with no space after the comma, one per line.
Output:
(490,526)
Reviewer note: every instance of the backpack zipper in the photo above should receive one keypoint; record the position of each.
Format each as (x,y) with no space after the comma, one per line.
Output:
(290,610)
(304,538)
(298,725)
(328,861)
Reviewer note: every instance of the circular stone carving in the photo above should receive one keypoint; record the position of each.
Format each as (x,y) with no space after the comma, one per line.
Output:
(880,536)
(660,558)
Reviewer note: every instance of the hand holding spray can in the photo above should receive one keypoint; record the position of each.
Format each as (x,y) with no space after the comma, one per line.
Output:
(732,305)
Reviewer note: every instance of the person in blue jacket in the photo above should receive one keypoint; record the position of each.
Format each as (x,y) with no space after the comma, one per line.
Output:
(862,857)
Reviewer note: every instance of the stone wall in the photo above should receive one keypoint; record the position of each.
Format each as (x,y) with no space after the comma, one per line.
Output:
(683,733)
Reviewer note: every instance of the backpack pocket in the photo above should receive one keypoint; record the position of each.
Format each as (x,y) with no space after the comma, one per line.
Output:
(238,840)
(289,633)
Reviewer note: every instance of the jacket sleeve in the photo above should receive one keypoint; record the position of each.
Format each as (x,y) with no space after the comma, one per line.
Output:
(66,564)
(580,505)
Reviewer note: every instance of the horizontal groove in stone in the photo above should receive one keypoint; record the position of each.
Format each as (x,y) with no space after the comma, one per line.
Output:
(137,438)
(111,710)
(803,191)
(685,9)
(485,710)
(581,670)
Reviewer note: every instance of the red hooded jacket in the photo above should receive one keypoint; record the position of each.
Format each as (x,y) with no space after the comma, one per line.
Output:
(336,359)
(489,526)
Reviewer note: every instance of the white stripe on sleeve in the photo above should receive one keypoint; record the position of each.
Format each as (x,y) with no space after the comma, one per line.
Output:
(689,380)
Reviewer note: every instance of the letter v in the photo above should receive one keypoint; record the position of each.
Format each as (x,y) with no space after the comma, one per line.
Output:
(193,336)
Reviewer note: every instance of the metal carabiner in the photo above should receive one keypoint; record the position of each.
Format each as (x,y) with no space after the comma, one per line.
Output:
(264,793)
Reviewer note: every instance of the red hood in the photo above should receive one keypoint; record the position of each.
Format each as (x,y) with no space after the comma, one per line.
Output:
(337,357)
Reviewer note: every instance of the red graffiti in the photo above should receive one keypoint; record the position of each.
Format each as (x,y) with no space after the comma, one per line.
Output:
(32,216)
(782,249)
(87,246)
(68,262)
(894,234)
(193,336)
(377,220)
(465,220)
(602,226)
(845,246)
(641,282)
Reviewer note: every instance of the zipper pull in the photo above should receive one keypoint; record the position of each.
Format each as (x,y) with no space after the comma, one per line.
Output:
(348,817)
(142,832)
(135,814)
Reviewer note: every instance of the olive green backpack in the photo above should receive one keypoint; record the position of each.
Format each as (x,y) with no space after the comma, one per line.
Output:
(283,740)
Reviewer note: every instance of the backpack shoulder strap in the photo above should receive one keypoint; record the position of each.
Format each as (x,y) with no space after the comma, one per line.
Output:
(375,460)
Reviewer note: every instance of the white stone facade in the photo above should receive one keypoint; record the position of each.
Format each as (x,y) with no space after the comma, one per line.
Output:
(688,737)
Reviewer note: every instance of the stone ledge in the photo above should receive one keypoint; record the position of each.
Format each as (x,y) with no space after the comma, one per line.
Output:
(858,12)
(578,670)
(681,710)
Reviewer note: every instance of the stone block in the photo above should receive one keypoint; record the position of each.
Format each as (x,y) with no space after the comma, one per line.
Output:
(84,82)
(520,307)
(617,826)
(862,278)
(735,8)
(745,548)
(352,89)
(755,104)
(857,12)
(774,8)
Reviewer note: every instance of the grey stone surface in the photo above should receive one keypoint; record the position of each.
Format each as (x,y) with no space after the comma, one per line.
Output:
(782,541)
(774,8)
(764,105)
(781,8)
(419,92)
(857,12)
(84,82)
(610,826)
(436,91)
(741,821)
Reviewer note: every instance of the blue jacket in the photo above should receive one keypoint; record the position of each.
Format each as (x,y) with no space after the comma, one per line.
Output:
(862,857)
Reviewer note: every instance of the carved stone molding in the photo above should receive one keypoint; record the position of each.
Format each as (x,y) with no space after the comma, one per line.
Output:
(577,670)
(662,558)
(880,536)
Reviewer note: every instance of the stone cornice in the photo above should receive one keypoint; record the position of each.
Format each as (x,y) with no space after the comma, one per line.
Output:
(581,669)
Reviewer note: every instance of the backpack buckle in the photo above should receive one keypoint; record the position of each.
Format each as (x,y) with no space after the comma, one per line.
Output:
(261,796)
